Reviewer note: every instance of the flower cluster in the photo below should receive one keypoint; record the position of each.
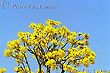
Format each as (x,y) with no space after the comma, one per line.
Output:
(53,46)
(2,70)
(21,70)
(102,71)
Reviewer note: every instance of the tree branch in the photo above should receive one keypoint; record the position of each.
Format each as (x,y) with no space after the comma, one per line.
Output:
(38,61)
(27,63)
(48,69)
(63,46)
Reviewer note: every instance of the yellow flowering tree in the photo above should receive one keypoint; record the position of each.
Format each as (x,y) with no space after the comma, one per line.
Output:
(53,46)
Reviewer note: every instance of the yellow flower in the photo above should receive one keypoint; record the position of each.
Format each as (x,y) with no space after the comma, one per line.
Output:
(66,31)
(49,29)
(17,69)
(74,34)
(80,42)
(54,54)
(19,55)
(52,22)
(54,41)
(33,26)
(87,50)
(61,53)
(74,49)
(70,59)
(86,42)
(48,55)
(17,42)
(86,36)
(44,43)
(26,69)
(2,70)
(19,61)
(50,62)
(81,52)
(91,59)
(23,49)
(13,44)
(30,42)
(8,52)
(61,44)
(92,53)
(71,39)
(22,36)
(99,71)
(40,26)
(42,71)
(72,54)
(69,68)
(85,62)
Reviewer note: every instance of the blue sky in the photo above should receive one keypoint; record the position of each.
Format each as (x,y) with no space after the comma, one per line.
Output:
(87,16)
